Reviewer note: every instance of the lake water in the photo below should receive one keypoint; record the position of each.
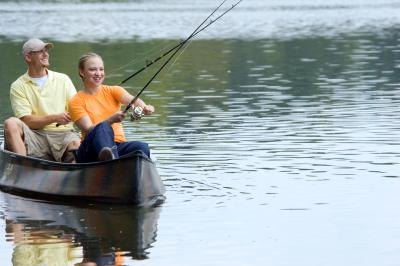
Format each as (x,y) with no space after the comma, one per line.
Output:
(276,133)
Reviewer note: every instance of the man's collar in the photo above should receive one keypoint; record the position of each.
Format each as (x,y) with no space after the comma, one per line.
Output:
(27,78)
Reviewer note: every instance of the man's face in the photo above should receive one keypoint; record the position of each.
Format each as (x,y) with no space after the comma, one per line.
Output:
(38,58)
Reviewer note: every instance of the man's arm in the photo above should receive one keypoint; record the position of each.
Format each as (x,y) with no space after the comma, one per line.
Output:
(38,121)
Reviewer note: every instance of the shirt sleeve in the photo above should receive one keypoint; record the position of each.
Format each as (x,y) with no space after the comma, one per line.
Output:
(118,92)
(19,102)
(76,108)
(71,89)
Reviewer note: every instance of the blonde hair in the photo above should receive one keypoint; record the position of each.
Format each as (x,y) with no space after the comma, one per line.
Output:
(84,58)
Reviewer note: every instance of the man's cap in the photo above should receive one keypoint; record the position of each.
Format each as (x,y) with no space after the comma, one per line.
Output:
(34,45)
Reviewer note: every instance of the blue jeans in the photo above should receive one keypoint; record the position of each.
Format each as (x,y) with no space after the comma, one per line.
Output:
(102,135)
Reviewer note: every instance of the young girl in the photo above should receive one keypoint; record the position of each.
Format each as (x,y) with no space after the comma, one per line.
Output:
(96,110)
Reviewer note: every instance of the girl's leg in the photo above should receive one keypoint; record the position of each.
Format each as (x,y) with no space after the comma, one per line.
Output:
(102,135)
(130,146)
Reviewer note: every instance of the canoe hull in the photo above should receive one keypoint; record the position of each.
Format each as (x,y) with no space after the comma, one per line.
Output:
(132,179)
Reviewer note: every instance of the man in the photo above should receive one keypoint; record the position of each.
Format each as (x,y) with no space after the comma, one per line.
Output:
(41,127)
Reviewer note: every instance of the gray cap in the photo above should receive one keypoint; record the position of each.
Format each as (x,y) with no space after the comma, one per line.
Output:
(34,45)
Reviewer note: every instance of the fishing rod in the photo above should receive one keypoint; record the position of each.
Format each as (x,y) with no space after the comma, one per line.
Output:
(173,48)
(137,113)
(149,63)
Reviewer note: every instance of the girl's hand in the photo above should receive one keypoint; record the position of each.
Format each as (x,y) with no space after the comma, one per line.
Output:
(117,117)
(148,109)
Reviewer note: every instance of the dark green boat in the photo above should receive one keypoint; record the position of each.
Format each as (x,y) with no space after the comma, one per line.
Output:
(131,179)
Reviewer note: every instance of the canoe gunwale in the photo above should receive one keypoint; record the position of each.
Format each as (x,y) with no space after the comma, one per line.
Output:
(75,165)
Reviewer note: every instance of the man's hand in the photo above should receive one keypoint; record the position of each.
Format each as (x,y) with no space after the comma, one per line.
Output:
(40,121)
(62,119)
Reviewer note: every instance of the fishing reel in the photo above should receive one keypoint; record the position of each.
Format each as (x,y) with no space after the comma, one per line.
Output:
(136,113)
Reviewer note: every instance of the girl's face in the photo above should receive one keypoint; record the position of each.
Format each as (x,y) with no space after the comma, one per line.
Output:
(93,72)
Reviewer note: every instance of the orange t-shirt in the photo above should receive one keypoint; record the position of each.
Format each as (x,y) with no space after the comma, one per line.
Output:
(99,107)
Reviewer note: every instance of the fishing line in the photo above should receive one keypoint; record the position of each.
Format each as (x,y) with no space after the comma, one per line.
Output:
(178,47)
(177,57)
(142,58)
(183,50)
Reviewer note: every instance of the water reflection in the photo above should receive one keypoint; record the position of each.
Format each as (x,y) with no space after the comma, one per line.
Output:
(105,234)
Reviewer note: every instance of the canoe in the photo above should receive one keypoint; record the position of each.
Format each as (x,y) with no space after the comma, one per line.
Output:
(131,179)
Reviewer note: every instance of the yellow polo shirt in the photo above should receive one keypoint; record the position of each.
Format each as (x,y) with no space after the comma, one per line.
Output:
(28,99)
